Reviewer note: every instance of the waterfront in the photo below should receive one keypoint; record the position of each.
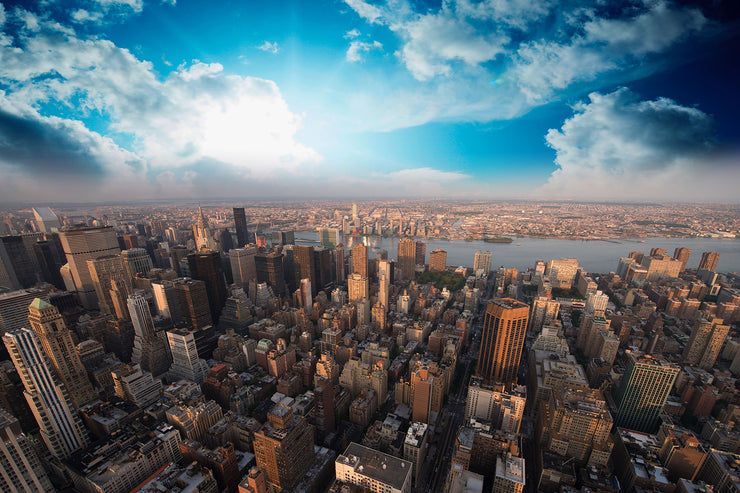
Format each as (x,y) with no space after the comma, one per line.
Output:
(594,256)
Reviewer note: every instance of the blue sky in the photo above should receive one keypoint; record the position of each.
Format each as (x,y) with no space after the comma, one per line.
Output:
(490,99)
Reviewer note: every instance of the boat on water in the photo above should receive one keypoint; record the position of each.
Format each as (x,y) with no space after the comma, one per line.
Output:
(518,244)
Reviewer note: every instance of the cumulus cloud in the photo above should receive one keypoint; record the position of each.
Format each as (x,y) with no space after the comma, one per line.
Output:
(357,49)
(269,47)
(197,114)
(351,34)
(616,146)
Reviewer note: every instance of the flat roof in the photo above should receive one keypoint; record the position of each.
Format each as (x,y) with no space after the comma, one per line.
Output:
(376,465)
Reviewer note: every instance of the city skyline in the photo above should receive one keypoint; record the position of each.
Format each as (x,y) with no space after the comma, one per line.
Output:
(134,100)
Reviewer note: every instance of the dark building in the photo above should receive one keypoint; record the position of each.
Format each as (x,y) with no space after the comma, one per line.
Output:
(20,261)
(421,253)
(682,254)
(192,298)
(324,265)
(269,268)
(224,239)
(303,260)
(206,266)
(50,262)
(709,261)
(240,223)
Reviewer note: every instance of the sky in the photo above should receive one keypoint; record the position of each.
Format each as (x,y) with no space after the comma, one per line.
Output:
(110,100)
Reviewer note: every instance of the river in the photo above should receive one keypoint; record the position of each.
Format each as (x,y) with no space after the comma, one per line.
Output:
(593,256)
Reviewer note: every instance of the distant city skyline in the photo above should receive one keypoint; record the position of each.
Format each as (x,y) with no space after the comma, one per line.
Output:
(141,100)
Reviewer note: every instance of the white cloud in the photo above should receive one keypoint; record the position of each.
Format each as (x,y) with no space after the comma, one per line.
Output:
(618,147)
(369,12)
(2,15)
(82,16)
(351,34)
(358,48)
(269,47)
(135,5)
(515,13)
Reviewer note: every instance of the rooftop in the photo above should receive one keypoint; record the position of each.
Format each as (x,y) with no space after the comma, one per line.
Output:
(376,465)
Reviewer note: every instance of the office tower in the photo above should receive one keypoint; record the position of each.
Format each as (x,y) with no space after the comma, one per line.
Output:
(60,427)
(359,260)
(504,410)
(406,258)
(414,447)
(543,312)
(303,260)
(658,252)
(243,267)
(355,217)
(643,392)
(306,297)
(384,287)
(59,349)
(373,470)
(165,300)
(510,476)
(283,447)
(150,351)
(324,265)
(358,287)
(709,261)
(682,254)
(504,329)
(206,266)
(329,238)
(8,277)
(420,253)
(240,224)
(19,264)
(185,361)
(339,263)
(596,304)
(14,307)
(137,260)
(269,268)
(661,267)
(105,269)
(426,394)
(50,260)
(194,420)
(202,232)
(438,260)
(20,467)
(193,301)
(46,220)
(705,343)
(562,272)
(482,262)
(136,386)
(81,245)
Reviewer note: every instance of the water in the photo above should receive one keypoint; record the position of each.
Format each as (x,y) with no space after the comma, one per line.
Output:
(594,256)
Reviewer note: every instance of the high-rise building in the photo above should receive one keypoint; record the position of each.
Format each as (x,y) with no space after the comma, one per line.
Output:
(60,427)
(243,267)
(562,272)
(269,268)
(46,220)
(324,267)
(283,447)
(305,268)
(504,410)
(59,349)
(438,260)
(135,386)
(709,261)
(20,265)
(682,254)
(373,470)
(705,343)
(359,260)
(420,257)
(137,260)
(510,476)
(645,386)
(329,237)
(14,307)
(482,262)
(206,266)
(504,330)
(406,258)
(105,269)
(358,287)
(340,268)
(150,350)
(81,245)
(165,300)
(20,467)
(185,361)
(193,300)
(240,224)
(544,311)
(203,233)
(194,420)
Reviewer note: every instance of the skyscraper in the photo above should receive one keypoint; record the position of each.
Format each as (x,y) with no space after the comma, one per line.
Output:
(59,349)
(283,447)
(242,265)
(682,254)
(709,261)
(137,260)
(339,263)
(329,238)
(705,343)
(202,232)
(20,468)
(185,361)
(60,427)
(420,253)
(504,330)
(269,268)
(150,351)
(206,266)
(438,260)
(359,260)
(46,220)
(358,287)
(193,301)
(406,258)
(303,262)
(103,270)
(240,223)
(482,262)
(81,245)
(645,386)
